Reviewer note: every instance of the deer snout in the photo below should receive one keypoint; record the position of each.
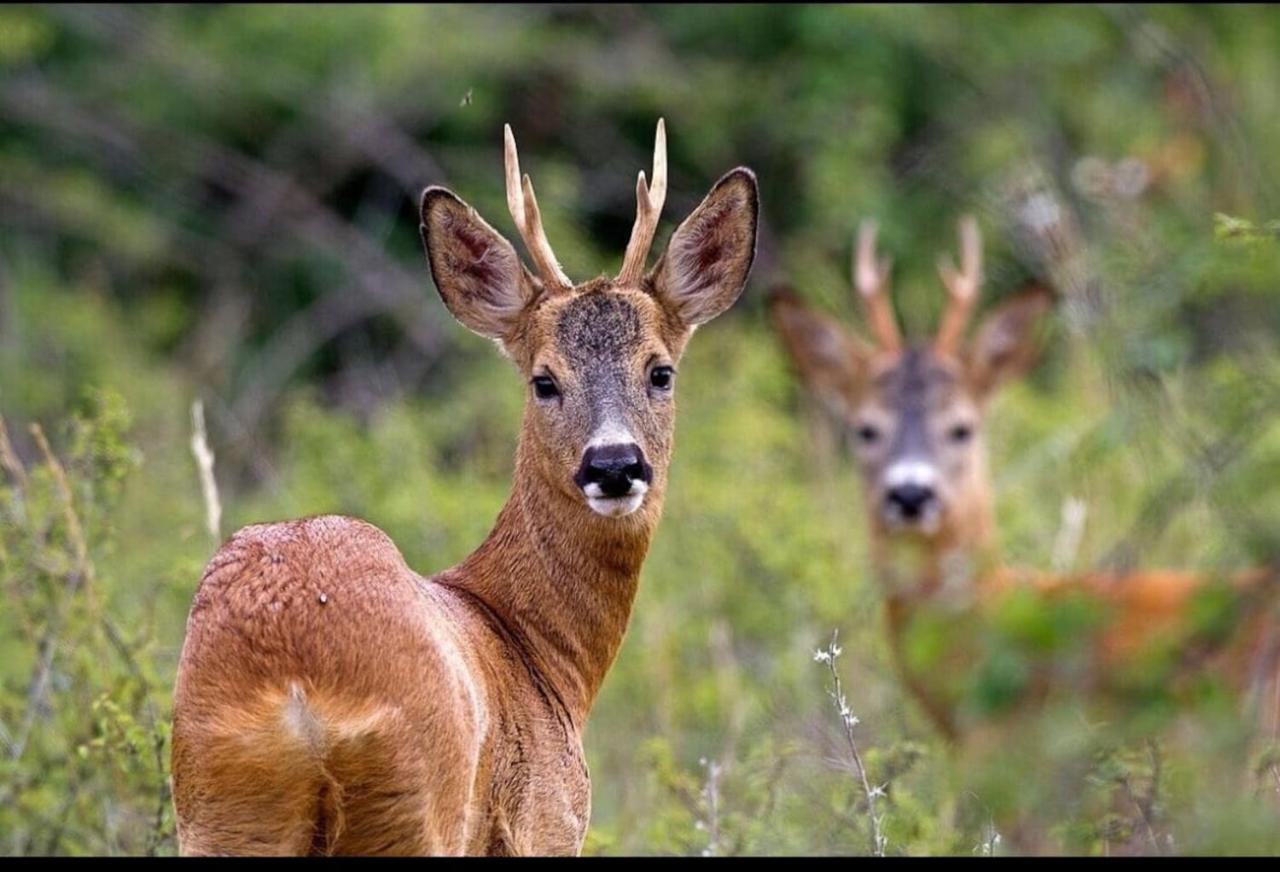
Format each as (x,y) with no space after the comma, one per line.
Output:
(911,496)
(613,471)
(910,501)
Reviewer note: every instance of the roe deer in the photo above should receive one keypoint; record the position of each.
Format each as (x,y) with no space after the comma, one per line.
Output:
(915,413)
(331,700)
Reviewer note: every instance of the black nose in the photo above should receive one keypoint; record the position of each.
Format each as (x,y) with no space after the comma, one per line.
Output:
(613,468)
(910,499)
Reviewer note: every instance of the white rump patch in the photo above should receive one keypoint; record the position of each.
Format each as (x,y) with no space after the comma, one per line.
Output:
(301,720)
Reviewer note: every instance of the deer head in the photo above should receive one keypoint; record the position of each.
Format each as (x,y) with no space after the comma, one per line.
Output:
(600,357)
(916,411)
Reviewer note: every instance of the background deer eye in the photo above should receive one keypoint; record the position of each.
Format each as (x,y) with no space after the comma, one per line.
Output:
(660,377)
(544,387)
(867,434)
(960,433)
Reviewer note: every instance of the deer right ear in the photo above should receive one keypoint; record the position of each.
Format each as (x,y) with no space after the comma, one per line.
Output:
(830,361)
(477,272)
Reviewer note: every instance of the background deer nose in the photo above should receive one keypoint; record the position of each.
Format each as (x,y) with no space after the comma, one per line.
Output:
(613,469)
(910,500)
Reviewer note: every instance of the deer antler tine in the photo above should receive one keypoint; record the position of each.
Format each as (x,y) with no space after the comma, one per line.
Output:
(523,206)
(511,161)
(971,246)
(642,197)
(529,203)
(649,201)
(962,286)
(658,191)
(871,277)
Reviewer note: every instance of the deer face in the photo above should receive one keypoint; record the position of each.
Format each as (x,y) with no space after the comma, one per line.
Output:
(915,414)
(916,432)
(600,357)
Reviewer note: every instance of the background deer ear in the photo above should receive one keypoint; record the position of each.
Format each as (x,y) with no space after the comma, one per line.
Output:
(829,360)
(1005,345)
(477,272)
(705,266)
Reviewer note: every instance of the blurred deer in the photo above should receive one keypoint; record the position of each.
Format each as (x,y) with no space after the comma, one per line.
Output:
(916,413)
(331,700)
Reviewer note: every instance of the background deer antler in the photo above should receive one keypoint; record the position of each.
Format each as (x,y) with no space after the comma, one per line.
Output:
(870,277)
(524,210)
(962,286)
(649,200)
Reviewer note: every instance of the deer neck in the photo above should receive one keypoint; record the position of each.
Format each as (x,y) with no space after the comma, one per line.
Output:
(921,575)
(562,579)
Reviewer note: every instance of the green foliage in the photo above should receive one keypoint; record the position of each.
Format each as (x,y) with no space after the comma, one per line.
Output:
(1230,227)
(220,202)
(85,764)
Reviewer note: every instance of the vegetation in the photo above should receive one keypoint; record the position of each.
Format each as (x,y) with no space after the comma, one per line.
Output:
(219,203)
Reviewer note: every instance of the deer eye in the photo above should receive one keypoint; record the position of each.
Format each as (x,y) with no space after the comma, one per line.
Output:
(960,433)
(660,377)
(544,387)
(868,434)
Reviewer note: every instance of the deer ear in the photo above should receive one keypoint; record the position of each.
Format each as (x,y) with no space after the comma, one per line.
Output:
(828,358)
(705,266)
(1005,345)
(477,272)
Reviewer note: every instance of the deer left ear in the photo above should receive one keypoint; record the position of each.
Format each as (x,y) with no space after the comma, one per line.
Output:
(1005,345)
(705,266)
(829,359)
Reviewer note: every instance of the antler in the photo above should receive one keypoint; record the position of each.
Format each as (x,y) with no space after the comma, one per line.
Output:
(962,286)
(649,200)
(870,277)
(524,210)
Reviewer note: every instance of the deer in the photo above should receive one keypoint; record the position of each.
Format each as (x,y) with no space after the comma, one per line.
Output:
(331,700)
(915,413)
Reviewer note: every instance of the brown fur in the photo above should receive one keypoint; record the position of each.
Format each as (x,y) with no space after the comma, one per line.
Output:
(330,700)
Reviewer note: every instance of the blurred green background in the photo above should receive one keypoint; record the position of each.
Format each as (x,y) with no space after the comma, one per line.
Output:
(219,203)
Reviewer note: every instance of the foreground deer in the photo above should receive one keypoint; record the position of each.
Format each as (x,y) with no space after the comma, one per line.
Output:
(331,700)
(916,413)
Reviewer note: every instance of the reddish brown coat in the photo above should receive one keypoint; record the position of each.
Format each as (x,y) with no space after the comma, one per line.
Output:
(331,700)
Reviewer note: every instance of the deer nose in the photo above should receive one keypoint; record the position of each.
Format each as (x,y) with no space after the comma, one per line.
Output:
(613,469)
(910,500)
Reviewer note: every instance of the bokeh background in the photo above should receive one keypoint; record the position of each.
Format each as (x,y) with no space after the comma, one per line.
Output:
(218,203)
